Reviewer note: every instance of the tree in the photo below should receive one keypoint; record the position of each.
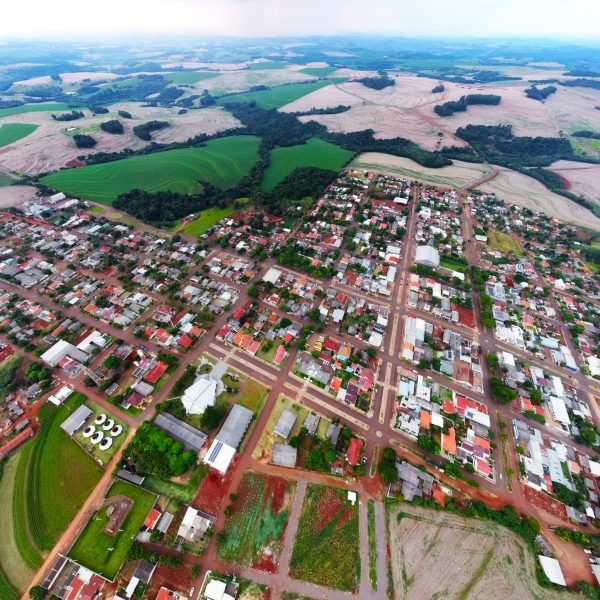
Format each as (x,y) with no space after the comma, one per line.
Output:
(112,362)
(37,593)
(428,444)
(84,141)
(212,417)
(113,126)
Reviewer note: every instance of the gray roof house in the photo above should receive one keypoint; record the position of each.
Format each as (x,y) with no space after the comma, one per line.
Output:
(285,424)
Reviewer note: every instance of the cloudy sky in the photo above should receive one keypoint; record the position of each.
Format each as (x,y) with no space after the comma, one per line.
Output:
(76,18)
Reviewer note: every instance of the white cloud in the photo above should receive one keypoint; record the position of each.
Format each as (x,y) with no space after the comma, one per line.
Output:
(58,18)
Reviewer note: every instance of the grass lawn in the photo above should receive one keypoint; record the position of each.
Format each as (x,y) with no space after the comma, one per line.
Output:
(503,242)
(190,77)
(182,492)
(59,476)
(372,544)
(276,96)
(206,220)
(258,520)
(326,548)
(446,263)
(318,71)
(314,153)
(269,354)
(42,107)
(102,553)
(11,132)
(222,162)
(15,572)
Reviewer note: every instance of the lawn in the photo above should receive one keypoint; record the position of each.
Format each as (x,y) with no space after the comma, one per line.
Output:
(503,242)
(326,548)
(319,71)
(25,108)
(59,476)
(252,534)
(11,132)
(450,265)
(105,554)
(222,162)
(314,153)
(15,572)
(372,544)
(206,220)
(188,77)
(276,96)
(182,492)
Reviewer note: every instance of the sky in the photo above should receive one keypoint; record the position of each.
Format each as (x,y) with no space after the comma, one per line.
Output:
(61,19)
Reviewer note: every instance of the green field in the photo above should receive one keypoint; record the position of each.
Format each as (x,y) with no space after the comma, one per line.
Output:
(314,153)
(11,132)
(206,220)
(105,554)
(222,162)
(503,242)
(326,548)
(25,108)
(189,77)
(59,476)
(5,179)
(276,96)
(258,520)
(319,71)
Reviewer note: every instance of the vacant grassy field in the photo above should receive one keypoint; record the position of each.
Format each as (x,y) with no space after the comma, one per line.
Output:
(318,71)
(181,492)
(326,549)
(314,153)
(59,476)
(188,77)
(268,65)
(5,179)
(206,220)
(222,162)
(25,108)
(15,573)
(105,554)
(503,242)
(11,132)
(276,96)
(252,534)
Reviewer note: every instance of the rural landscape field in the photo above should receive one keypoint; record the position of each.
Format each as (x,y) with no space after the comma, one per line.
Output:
(291,309)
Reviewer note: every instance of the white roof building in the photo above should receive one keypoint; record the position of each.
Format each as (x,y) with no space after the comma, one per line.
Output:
(200,395)
(428,256)
(552,570)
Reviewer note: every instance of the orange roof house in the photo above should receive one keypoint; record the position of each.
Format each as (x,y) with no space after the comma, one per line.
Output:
(449,441)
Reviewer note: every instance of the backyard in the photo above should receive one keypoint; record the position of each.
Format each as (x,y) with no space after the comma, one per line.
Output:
(254,530)
(102,553)
(326,548)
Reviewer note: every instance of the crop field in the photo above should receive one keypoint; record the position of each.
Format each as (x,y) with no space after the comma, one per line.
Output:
(105,554)
(11,132)
(59,476)
(190,77)
(276,96)
(503,242)
(206,220)
(252,534)
(441,555)
(222,162)
(318,71)
(326,549)
(5,179)
(268,65)
(314,153)
(43,107)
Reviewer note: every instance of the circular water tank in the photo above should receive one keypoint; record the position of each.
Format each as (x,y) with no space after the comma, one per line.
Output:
(105,444)
(108,425)
(116,430)
(100,419)
(96,437)
(89,431)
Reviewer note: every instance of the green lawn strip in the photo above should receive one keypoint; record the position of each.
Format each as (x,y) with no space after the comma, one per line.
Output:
(446,263)
(105,554)
(222,162)
(294,596)
(11,561)
(276,96)
(60,476)
(330,556)
(11,132)
(23,538)
(314,153)
(43,107)
(483,567)
(372,544)
(253,526)
(206,220)
(183,493)
(188,77)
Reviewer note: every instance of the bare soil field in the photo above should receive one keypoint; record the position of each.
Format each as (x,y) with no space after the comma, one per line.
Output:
(440,555)
(583,178)
(458,175)
(239,81)
(32,82)
(50,147)
(88,76)
(13,195)
(516,188)
(326,97)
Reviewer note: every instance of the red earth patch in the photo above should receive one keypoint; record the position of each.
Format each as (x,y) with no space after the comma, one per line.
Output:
(212,491)
(329,506)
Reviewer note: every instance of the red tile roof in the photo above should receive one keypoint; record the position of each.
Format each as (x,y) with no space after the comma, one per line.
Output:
(353,453)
